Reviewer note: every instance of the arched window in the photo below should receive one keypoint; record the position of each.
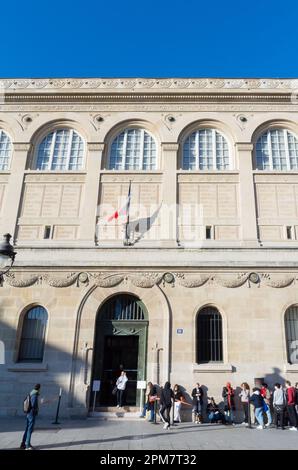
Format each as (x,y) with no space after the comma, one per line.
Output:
(277,149)
(206,149)
(133,149)
(33,335)
(62,149)
(5,151)
(209,336)
(291,328)
(123,307)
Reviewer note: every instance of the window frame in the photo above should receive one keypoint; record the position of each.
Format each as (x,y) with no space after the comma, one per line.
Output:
(52,148)
(287,313)
(214,132)
(220,341)
(25,360)
(9,156)
(139,168)
(286,132)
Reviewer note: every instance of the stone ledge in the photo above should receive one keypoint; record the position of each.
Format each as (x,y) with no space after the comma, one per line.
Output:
(291,368)
(224,368)
(28,368)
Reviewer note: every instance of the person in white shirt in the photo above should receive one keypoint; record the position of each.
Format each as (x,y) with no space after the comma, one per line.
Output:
(121,386)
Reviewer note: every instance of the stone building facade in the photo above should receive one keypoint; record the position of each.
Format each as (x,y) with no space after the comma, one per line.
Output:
(199,286)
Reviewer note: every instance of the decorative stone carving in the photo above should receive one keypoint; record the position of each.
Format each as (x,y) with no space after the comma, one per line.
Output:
(277,281)
(61,281)
(14,281)
(231,281)
(150,279)
(145,279)
(191,280)
(145,83)
(107,280)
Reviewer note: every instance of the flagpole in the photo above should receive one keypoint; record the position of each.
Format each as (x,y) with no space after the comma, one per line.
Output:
(126,238)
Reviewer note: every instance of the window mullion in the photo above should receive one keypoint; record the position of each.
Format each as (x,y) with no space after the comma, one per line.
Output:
(124,150)
(287,149)
(141,162)
(52,150)
(197,143)
(270,150)
(69,149)
(214,149)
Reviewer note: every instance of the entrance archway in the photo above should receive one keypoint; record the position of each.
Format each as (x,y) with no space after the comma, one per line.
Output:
(120,343)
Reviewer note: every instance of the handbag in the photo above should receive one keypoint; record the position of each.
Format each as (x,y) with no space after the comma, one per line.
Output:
(265,407)
(114,391)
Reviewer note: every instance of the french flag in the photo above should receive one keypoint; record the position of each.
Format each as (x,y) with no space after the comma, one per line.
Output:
(124,211)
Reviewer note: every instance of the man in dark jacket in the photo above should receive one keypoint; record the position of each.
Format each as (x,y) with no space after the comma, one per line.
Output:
(166,399)
(258,401)
(31,416)
(197,402)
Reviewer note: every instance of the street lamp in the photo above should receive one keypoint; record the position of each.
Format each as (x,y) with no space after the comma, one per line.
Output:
(7,255)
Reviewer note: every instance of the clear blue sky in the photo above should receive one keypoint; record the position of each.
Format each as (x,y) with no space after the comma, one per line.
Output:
(156,38)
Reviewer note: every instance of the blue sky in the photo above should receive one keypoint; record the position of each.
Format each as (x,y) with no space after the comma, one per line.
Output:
(133,38)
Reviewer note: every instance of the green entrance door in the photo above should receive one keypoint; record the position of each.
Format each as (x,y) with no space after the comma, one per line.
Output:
(120,352)
(120,344)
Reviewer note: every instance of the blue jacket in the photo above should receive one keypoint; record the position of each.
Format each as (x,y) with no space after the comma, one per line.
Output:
(34,402)
(257,400)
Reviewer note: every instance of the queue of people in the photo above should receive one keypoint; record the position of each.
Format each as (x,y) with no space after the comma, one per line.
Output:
(260,406)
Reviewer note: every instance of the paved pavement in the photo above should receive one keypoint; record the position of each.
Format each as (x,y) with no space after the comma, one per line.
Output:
(141,435)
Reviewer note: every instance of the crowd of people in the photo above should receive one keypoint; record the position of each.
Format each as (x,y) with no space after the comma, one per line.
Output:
(260,406)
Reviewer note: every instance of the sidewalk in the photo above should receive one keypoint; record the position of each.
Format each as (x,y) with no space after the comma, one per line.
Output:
(133,435)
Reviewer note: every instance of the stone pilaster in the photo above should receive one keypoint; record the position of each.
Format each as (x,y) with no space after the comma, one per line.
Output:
(247,195)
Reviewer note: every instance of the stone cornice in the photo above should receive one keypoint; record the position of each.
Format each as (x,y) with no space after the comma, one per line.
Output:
(148,83)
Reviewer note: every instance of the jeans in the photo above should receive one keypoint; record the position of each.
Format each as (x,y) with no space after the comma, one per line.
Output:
(120,397)
(269,417)
(177,408)
(292,415)
(29,430)
(279,416)
(259,416)
(229,416)
(147,407)
(245,408)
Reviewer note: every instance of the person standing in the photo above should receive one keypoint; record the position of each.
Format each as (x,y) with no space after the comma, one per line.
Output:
(229,403)
(265,392)
(121,386)
(31,413)
(296,397)
(166,399)
(258,401)
(278,405)
(151,397)
(244,397)
(291,402)
(197,402)
(178,399)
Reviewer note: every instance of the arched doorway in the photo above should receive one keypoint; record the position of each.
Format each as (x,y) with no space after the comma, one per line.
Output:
(120,343)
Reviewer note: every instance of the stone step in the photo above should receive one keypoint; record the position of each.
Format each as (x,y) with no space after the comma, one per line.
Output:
(118,413)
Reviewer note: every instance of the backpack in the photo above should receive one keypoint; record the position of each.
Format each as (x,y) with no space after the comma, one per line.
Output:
(27,404)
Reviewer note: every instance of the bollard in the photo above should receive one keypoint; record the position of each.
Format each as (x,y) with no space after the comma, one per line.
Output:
(58,407)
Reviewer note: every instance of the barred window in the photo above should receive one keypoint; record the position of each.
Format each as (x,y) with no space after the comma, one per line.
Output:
(206,149)
(61,150)
(277,149)
(209,336)
(33,335)
(133,149)
(291,329)
(123,307)
(5,151)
